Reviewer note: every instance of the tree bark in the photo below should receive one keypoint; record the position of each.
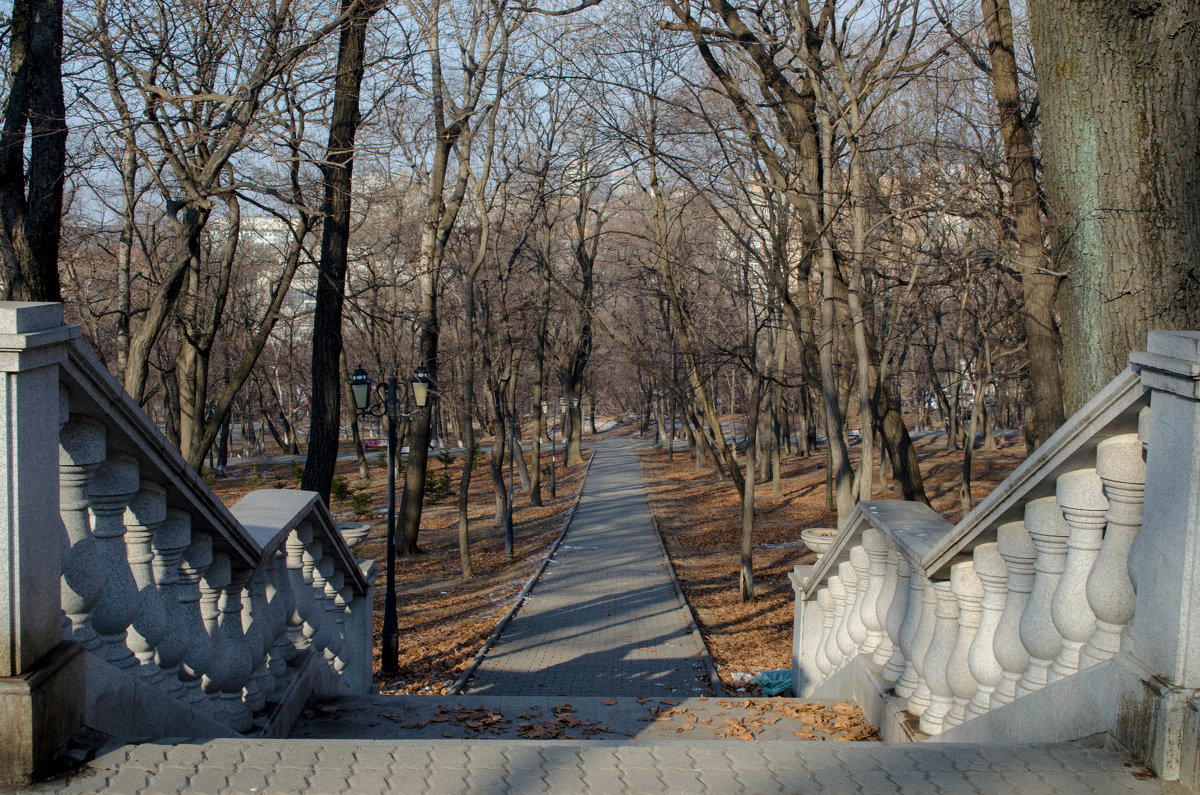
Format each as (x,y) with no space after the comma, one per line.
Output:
(1119,86)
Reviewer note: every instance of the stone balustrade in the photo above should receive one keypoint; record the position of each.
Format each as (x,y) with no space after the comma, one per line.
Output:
(950,623)
(195,619)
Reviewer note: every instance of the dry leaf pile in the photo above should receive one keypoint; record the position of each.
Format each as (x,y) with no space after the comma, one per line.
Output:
(565,718)
(478,721)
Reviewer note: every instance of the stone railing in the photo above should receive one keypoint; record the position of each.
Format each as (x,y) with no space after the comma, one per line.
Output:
(195,620)
(1024,622)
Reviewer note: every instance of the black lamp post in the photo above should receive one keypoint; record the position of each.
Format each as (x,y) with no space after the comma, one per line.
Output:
(550,433)
(564,426)
(508,520)
(360,388)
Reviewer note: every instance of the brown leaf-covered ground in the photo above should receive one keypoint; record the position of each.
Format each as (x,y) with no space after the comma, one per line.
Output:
(699,516)
(443,619)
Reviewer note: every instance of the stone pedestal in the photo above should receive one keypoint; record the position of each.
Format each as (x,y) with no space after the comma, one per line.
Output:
(1163,639)
(41,677)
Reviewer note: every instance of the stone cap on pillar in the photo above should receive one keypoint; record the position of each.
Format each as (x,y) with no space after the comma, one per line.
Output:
(1171,362)
(27,332)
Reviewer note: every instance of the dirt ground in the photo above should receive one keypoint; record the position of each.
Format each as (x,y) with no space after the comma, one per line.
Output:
(699,516)
(444,620)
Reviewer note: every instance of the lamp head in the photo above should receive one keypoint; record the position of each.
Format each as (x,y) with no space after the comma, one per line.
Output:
(421,383)
(360,389)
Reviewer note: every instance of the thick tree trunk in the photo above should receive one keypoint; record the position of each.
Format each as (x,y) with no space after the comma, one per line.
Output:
(1119,89)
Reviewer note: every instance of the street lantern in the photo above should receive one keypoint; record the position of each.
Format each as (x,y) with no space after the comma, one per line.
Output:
(360,390)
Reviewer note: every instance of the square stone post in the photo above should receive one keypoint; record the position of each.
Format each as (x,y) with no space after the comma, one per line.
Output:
(1159,664)
(41,675)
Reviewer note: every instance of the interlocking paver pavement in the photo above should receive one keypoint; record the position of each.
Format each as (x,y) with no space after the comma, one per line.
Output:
(604,619)
(590,767)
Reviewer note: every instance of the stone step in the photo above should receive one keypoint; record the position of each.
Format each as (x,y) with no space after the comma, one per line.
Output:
(640,719)
(445,766)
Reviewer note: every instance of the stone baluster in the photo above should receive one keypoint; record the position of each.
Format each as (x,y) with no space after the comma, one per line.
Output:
(312,595)
(321,571)
(81,451)
(884,605)
(220,662)
(833,649)
(910,628)
(1081,498)
(968,590)
(937,659)
(856,586)
(146,512)
(873,574)
(1048,529)
(196,560)
(259,629)
(113,486)
(898,618)
(920,699)
(985,668)
(820,655)
(1017,549)
(170,540)
(236,679)
(280,599)
(342,600)
(298,589)
(1109,590)
(334,581)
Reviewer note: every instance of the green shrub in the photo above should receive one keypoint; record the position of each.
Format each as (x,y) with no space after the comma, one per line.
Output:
(297,470)
(256,478)
(360,503)
(381,459)
(437,485)
(339,489)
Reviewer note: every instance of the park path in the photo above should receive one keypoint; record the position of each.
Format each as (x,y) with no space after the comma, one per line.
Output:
(605,618)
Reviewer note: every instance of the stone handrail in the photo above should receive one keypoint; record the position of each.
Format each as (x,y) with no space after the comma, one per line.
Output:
(1054,610)
(939,611)
(196,620)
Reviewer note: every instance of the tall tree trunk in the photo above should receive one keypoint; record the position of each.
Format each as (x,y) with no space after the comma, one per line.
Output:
(31,200)
(1038,283)
(1119,90)
(337,171)
(746,567)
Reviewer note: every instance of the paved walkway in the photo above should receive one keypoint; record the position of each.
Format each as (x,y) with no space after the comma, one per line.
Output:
(610,768)
(604,619)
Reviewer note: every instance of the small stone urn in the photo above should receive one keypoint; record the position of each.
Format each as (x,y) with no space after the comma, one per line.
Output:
(353,532)
(818,539)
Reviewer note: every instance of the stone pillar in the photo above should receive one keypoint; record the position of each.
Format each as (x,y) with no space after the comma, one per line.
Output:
(985,668)
(968,589)
(875,551)
(1017,550)
(147,511)
(833,647)
(1160,649)
(41,677)
(937,659)
(884,607)
(854,594)
(820,655)
(360,632)
(81,452)
(910,627)
(113,486)
(1048,529)
(196,560)
(1109,590)
(1081,497)
(921,697)
(898,619)
(170,540)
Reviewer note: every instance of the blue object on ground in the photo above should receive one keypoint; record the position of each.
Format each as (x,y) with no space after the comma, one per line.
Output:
(777,682)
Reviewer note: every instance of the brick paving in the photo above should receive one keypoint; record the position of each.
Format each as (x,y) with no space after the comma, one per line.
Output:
(597,767)
(604,619)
